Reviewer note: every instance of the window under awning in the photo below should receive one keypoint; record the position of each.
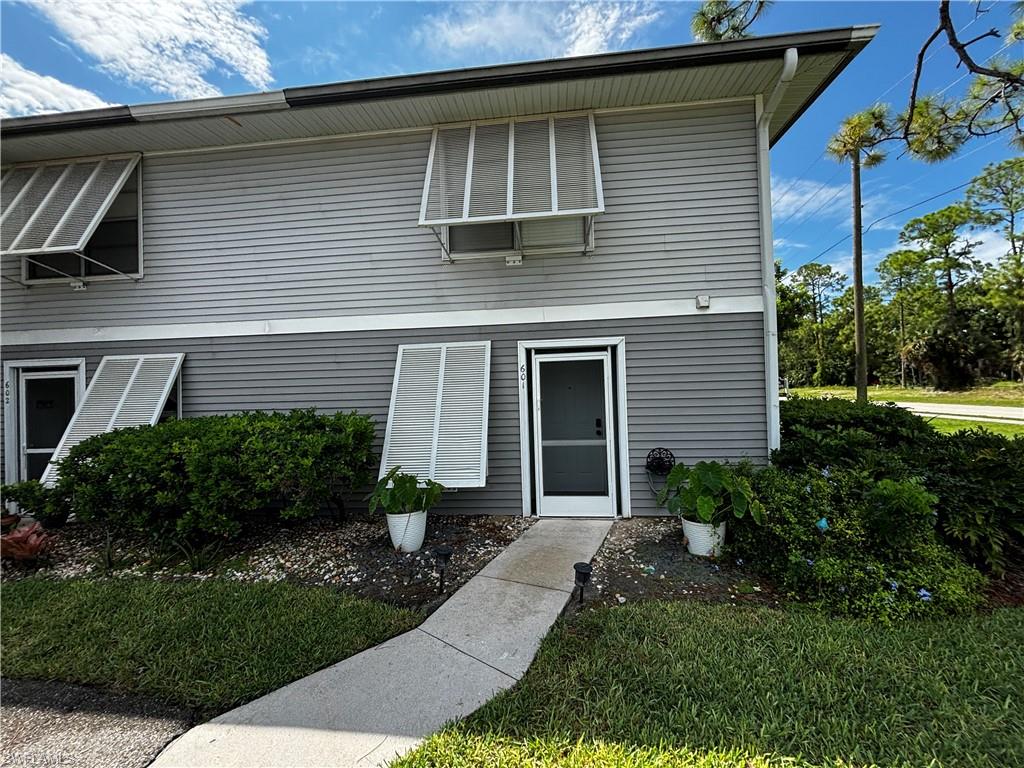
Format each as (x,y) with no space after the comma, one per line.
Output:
(52,208)
(512,170)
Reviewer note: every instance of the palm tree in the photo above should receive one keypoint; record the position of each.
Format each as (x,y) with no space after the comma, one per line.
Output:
(857,141)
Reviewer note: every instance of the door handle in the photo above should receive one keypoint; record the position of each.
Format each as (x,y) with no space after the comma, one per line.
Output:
(597,426)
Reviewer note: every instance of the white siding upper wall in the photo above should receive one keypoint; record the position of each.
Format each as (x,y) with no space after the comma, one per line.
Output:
(329,228)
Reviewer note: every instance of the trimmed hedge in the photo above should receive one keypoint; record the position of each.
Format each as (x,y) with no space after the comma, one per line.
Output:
(210,475)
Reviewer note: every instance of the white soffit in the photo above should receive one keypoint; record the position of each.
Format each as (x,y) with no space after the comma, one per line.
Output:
(734,80)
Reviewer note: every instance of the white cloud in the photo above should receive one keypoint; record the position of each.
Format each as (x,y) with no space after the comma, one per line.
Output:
(24,92)
(166,46)
(536,29)
(993,247)
(782,243)
(796,199)
(800,202)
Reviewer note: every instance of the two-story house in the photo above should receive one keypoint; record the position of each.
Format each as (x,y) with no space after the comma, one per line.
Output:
(529,274)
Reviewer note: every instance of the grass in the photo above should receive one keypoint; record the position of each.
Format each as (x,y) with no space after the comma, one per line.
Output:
(956,425)
(206,645)
(1008,393)
(718,686)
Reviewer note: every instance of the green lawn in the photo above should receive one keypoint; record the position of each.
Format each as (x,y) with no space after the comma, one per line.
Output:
(1003,393)
(694,684)
(207,645)
(955,425)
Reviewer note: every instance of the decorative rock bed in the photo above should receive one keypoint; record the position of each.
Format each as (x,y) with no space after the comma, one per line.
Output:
(354,555)
(645,558)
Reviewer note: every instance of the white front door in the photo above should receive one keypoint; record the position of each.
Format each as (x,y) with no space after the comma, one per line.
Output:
(46,403)
(574,440)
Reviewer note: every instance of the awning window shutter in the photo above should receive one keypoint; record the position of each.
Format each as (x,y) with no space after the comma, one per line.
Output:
(125,391)
(517,169)
(532,163)
(437,425)
(55,207)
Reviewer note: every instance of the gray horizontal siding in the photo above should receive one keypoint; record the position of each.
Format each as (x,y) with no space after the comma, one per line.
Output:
(695,385)
(330,229)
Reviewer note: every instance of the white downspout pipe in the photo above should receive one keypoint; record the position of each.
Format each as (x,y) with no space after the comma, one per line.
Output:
(765,112)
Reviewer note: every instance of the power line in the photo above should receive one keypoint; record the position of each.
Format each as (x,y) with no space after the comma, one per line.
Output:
(822,186)
(867,229)
(811,196)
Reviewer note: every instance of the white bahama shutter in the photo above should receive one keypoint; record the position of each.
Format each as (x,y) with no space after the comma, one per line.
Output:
(437,424)
(56,207)
(125,391)
(510,170)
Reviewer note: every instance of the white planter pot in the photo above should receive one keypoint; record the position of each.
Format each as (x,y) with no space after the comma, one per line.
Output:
(704,539)
(407,531)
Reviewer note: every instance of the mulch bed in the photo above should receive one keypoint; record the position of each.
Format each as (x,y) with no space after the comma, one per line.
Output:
(1008,590)
(645,558)
(355,556)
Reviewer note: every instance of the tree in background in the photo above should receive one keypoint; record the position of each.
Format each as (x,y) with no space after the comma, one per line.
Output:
(901,275)
(822,283)
(945,249)
(996,198)
(933,127)
(857,142)
(722,20)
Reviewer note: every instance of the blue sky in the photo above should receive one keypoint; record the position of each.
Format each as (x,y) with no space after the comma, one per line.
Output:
(74,54)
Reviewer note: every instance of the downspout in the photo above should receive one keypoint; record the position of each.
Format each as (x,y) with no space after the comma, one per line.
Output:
(765,112)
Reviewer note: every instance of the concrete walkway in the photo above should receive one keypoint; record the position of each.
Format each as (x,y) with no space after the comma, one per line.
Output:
(990,413)
(381,703)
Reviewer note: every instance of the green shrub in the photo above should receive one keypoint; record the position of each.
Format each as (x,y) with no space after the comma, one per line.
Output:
(210,475)
(977,476)
(884,440)
(852,545)
(35,499)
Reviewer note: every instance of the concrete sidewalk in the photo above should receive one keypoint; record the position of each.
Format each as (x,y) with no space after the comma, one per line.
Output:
(990,413)
(381,703)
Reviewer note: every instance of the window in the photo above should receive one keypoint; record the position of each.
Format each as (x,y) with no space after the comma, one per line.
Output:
(437,422)
(512,170)
(125,391)
(533,237)
(75,221)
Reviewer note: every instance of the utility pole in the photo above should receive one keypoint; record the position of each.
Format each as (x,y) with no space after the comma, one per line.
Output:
(860,346)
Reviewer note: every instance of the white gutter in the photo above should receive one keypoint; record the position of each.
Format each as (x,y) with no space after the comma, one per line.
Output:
(765,112)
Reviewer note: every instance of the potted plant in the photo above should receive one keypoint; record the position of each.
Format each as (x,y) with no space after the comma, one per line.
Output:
(405,500)
(704,496)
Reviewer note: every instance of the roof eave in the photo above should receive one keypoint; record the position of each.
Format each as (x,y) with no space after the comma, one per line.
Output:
(847,39)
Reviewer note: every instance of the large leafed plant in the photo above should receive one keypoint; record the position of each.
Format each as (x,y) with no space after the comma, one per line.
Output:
(708,492)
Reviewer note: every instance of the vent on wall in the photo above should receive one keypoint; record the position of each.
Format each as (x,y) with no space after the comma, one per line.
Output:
(512,170)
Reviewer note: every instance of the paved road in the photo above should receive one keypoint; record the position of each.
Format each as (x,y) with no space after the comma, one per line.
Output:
(992,413)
